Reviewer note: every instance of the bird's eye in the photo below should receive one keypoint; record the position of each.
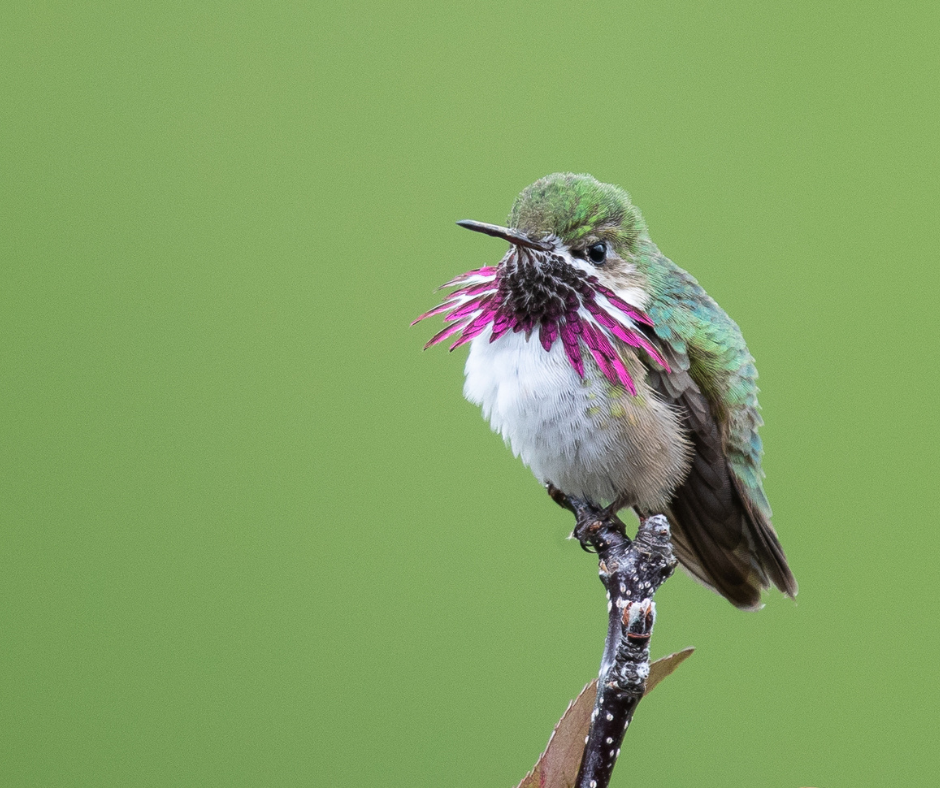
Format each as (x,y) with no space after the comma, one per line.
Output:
(597,253)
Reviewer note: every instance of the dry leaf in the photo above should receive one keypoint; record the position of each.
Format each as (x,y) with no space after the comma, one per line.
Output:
(663,666)
(557,767)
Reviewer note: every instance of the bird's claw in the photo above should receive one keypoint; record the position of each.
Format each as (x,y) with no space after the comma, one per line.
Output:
(589,519)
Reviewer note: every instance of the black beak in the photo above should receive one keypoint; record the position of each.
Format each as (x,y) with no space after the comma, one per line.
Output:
(513,236)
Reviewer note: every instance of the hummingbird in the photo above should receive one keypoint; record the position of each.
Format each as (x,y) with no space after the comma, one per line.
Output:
(618,380)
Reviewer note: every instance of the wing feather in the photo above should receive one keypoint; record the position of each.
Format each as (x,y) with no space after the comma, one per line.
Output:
(720,516)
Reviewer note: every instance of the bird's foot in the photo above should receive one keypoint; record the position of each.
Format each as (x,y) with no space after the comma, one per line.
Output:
(593,524)
(559,497)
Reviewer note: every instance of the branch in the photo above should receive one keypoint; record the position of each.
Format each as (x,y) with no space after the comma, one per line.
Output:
(557,767)
(631,572)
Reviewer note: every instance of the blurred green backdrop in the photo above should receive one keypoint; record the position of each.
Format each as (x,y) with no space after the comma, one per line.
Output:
(251,535)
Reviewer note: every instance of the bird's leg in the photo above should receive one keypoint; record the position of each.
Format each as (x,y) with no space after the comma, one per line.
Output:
(591,522)
(610,511)
(559,497)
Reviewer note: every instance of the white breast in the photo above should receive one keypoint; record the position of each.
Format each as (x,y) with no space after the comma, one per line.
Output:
(577,434)
(540,406)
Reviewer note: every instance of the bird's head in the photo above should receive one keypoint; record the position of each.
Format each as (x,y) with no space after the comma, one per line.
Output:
(594,222)
(569,274)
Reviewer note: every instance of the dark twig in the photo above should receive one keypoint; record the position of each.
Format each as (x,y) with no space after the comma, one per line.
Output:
(631,572)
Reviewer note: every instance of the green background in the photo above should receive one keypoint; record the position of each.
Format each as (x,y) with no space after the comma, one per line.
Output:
(252,535)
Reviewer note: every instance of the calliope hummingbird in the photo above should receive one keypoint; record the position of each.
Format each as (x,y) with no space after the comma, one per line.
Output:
(618,380)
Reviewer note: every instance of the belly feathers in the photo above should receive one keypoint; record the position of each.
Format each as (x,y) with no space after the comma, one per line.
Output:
(589,438)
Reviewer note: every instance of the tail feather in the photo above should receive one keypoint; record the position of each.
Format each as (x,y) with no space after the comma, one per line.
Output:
(740,572)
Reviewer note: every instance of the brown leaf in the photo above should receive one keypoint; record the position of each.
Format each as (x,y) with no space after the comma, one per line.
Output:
(557,767)
(663,666)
